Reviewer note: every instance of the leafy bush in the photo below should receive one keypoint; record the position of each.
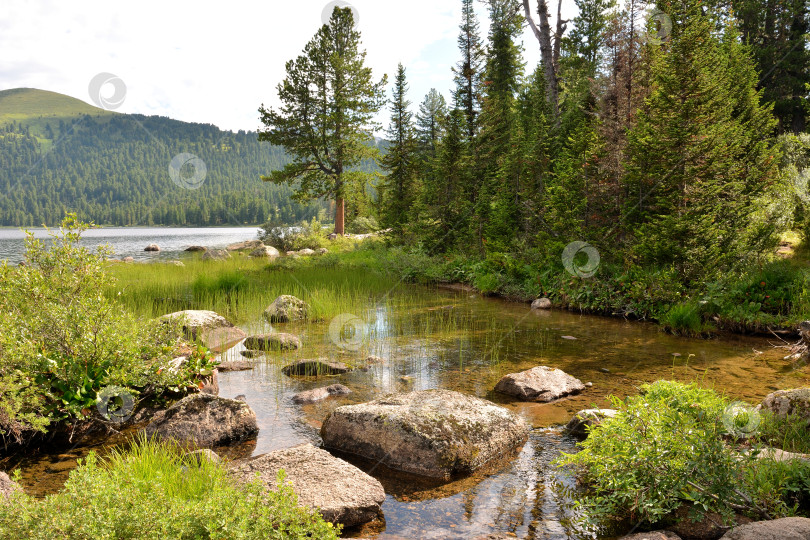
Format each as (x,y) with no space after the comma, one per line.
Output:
(668,447)
(152,492)
(310,235)
(62,340)
(363,225)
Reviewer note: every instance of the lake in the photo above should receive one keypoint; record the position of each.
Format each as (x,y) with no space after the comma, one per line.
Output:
(130,242)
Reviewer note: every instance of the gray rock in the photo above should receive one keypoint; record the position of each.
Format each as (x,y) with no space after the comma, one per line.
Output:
(583,421)
(319,394)
(196,249)
(216,255)
(214,330)
(780,455)
(542,384)
(791,528)
(315,367)
(198,456)
(788,402)
(235,365)
(710,527)
(306,252)
(252,354)
(266,252)
(7,486)
(204,420)
(129,259)
(286,308)
(341,492)
(434,433)
(210,384)
(652,535)
(321,251)
(541,303)
(332,236)
(152,247)
(249,245)
(272,342)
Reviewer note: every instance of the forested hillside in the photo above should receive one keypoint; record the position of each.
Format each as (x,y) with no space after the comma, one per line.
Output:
(114,168)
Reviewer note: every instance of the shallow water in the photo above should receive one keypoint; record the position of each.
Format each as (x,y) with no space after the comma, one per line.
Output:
(432,338)
(130,241)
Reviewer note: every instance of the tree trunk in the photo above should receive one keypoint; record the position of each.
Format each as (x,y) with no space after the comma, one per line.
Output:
(340,209)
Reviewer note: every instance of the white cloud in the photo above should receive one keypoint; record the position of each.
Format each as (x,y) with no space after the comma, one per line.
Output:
(215,64)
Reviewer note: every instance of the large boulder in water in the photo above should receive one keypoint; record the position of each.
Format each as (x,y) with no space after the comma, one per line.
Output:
(791,528)
(540,384)
(341,492)
(286,308)
(783,403)
(272,342)
(204,420)
(582,422)
(434,433)
(152,247)
(249,245)
(214,330)
(315,367)
(196,249)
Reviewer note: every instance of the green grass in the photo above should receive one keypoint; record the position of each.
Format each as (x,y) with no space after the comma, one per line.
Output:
(39,108)
(150,491)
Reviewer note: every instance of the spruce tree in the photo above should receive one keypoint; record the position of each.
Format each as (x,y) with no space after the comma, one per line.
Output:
(469,71)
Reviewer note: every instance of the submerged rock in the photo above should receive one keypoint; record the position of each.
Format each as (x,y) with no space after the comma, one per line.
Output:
(341,492)
(251,354)
(315,367)
(216,255)
(791,528)
(196,249)
(782,403)
(286,308)
(266,252)
(434,433)
(541,384)
(541,303)
(272,342)
(319,394)
(652,535)
(235,365)
(248,245)
(585,420)
(204,420)
(152,247)
(214,330)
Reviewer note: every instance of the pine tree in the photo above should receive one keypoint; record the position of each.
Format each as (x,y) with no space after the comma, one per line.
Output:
(328,104)
(469,71)
(399,191)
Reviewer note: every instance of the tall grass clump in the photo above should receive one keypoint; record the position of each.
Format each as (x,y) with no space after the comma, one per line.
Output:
(151,491)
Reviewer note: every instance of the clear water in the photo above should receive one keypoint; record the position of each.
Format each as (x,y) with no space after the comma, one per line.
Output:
(130,242)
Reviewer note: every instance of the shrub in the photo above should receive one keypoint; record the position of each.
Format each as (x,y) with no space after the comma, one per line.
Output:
(151,492)
(363,225)
(310,235)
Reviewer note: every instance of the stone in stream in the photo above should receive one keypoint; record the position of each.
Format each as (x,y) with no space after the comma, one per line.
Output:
(204,420)
(272,342)
(652,535)
(251,354)
(286,308)
(7,486)
(248,245)
(541,303)
(790,528)
(265,252)
(152,247)
(783,403)
(235,365)
(196,249)
(315,367)
(341,492)
(542,384)
(433,433)
(583,421)
(216,255)
(319,394)
(214,330)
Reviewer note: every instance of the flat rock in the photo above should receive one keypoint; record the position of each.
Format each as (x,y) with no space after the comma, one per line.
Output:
(585,420)
(235,365)
(791,528)
(341,492)
(780,455)
(286,308)
(319,394)
(712,525)
(541,303)
(272,342)
(248,245)
(7,486)
(266,252)
(152,247)
(542,384)
(216,255)
(214,330)
(251,354)
(788,402)
(434,433)
(196,249)
(204,420)
(315,367)
(306,252)
(652,535)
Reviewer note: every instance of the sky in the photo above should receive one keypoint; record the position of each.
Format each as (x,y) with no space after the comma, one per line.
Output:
(217,64)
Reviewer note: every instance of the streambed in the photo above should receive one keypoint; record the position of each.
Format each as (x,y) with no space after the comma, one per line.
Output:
(432,338)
